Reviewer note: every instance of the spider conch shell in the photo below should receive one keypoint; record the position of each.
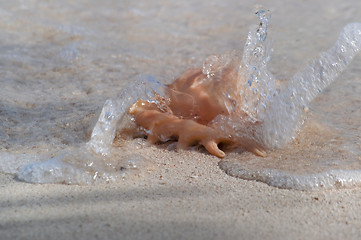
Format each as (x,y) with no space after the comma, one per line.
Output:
(191,106)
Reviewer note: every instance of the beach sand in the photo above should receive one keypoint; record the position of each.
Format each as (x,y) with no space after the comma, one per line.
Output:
(184,196)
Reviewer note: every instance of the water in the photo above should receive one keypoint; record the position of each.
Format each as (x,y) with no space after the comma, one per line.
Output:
(57,73)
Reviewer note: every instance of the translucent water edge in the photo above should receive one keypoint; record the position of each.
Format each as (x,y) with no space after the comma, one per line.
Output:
(74,166)
(96,161)
(278,109)
(283,107)
(333,179)
(306,84)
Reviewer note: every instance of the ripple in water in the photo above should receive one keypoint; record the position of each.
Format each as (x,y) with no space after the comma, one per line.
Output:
(319,157)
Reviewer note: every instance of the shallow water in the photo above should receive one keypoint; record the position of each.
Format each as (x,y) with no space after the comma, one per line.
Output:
(61,60)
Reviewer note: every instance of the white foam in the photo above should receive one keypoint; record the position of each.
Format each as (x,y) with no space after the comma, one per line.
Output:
(80,166)
(279,110)
(55,76)
(332,179)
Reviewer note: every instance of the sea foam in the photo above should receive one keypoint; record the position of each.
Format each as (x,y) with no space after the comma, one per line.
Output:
(278,109)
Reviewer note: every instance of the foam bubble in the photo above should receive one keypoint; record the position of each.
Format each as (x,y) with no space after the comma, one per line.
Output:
(80,166)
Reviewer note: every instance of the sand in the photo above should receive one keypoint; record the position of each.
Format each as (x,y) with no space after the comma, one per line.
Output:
(184,196)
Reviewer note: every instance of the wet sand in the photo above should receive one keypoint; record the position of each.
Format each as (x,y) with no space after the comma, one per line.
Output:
(184,196)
